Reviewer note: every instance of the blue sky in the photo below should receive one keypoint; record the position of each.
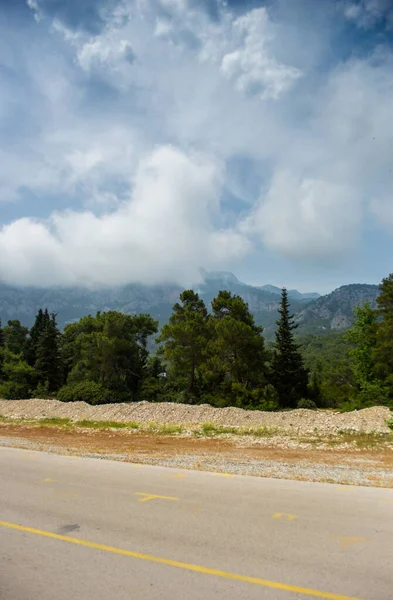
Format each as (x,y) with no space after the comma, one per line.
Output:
(141,140)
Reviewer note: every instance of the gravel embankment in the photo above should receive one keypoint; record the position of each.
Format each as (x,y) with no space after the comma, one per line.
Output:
(369,420)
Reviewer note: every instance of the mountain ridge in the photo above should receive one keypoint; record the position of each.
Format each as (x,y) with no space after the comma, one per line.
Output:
(331,312)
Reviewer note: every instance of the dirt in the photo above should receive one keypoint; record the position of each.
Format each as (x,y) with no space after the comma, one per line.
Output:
(134,446)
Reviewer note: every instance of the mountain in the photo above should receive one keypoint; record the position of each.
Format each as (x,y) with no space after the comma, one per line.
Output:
(273,289)
(334,312)
(324,314)
(71,304)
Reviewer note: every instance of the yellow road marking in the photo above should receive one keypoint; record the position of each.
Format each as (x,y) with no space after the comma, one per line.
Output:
(49,480)
(153,497)
(345,488)
(224,475)
(66,494)
(180,565)
(179,476)
(285,516)
(68,456)
(345,542)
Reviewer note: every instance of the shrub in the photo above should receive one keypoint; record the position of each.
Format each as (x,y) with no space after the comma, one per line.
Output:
(85,391)
(389,423)
(11,390)
(307,403)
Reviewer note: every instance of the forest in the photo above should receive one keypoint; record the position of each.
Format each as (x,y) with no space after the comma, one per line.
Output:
(215,355)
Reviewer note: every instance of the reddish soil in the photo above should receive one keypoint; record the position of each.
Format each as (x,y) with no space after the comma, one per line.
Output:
(137,445)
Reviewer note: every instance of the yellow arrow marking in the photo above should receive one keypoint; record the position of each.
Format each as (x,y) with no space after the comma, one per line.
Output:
(285,516)
(345,542)
(147,497)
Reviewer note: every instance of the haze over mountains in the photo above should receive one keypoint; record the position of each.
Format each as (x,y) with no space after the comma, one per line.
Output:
(314,313)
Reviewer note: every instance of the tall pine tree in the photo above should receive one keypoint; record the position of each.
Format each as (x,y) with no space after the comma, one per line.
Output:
(2,350)
(384,334)
(185,338)
(289,376)
(40,323)
(48,363)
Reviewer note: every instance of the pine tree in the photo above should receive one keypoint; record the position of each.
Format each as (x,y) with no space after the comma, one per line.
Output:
(40,323)
(236,357)
(2,350)
(185,337)
(384,333)
(15,337)
(289,376)
(48,364)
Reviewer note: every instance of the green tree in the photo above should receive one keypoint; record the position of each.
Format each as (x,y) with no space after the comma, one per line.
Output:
(2,351)
(235,357)
(15,337)
(288,373)
(384,334)
(41,321)
(110,350)
(363,336)
(18,377)
(48,363)
(185,337)
(327,356)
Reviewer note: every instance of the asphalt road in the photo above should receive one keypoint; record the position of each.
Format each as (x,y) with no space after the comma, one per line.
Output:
(90,529)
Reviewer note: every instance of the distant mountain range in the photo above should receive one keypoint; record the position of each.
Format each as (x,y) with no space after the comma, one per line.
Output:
(314,313)
(334,312)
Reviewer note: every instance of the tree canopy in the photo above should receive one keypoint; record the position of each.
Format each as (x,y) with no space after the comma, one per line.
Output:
(205,354)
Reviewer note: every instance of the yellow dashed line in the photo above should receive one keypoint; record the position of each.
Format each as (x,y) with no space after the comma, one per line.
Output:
(284,516)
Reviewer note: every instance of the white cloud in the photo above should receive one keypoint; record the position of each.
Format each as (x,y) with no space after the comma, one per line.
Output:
(250,65)
(308,218)
(239,88)
(164,232)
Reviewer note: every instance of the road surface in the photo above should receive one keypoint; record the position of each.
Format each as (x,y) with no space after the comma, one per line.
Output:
(82,528)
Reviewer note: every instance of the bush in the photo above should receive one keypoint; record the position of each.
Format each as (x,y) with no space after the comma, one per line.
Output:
(307,403)
(42,391)
(11,390)
(85,391)
(264,398)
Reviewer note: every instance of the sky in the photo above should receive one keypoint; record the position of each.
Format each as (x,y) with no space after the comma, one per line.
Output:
(143,140)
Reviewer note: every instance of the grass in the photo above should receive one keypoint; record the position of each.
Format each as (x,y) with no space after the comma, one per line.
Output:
(55,421)
(166,429)
(107,424)
(210,429)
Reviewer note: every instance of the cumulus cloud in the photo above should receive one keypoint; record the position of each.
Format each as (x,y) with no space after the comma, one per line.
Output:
(250,65)
(126,111)
(308,218)
(164,232)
